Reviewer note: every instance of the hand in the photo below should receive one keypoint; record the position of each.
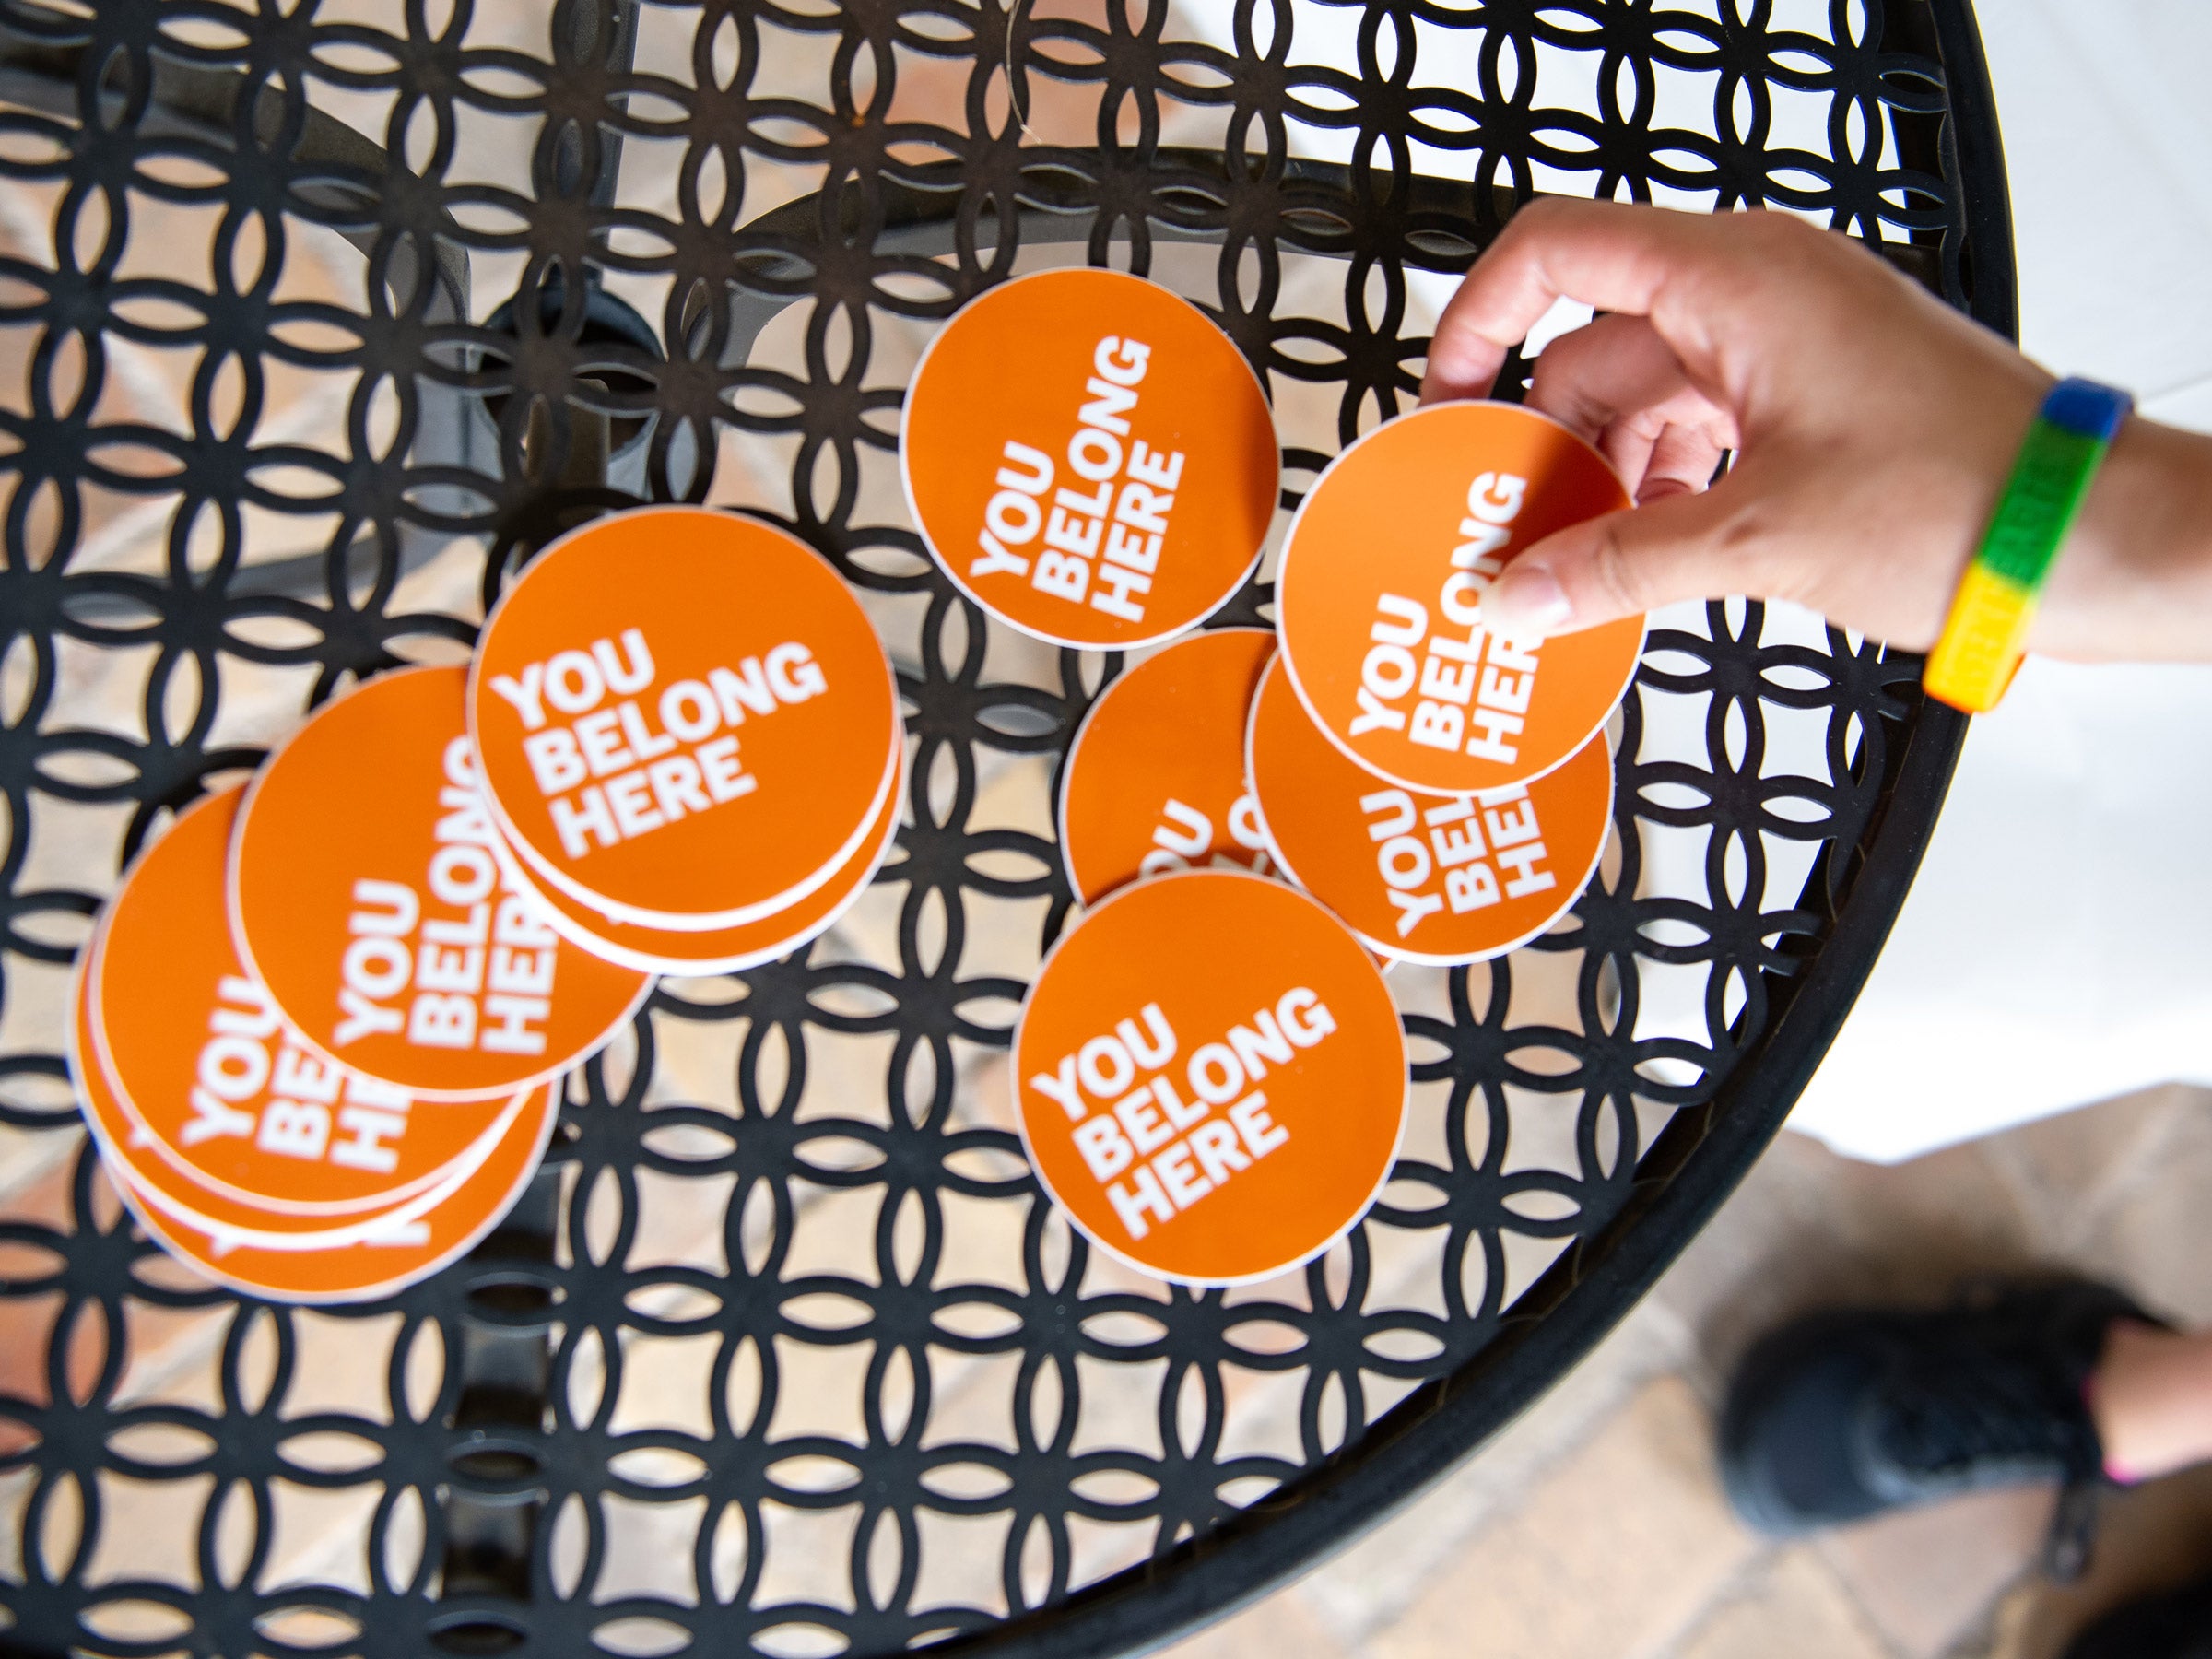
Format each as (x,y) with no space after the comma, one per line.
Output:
(1873,428)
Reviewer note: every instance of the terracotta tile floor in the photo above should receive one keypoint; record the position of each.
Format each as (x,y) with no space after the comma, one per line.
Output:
(1594,1527)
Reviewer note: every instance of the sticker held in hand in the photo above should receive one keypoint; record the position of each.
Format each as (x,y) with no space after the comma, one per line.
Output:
(1437,879)
(1379,600)
(366,894)
(1210,1076)
(1155,777)
(1089,458)
(685,718)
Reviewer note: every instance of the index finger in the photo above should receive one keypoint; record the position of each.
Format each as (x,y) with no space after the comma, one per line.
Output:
(1612,257)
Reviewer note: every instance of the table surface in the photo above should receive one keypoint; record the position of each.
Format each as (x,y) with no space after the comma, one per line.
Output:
(317,323)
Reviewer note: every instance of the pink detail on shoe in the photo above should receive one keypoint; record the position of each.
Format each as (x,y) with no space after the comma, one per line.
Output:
(2118,1473)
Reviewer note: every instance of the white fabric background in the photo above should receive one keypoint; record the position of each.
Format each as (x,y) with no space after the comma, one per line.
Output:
(2057,947)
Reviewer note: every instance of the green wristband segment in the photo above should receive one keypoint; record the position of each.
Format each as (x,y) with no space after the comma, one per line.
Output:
(2045,491)
(1986,635)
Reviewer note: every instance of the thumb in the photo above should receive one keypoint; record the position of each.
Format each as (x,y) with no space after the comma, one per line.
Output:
(1621,565)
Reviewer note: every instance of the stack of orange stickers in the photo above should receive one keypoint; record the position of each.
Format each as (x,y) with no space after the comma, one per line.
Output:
(321,1030)
(1089,458)
(720,949)
(267,1164)
(1210,1076)
(687,726)
(1444,788)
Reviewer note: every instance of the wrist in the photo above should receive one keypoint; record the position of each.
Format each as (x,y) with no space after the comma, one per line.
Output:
(2134,580)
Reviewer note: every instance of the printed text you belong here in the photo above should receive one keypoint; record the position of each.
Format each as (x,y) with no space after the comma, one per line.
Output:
(286,1107)
(1102,544)
(649,777)
(1474,691)
(1156,1149)
(479,976)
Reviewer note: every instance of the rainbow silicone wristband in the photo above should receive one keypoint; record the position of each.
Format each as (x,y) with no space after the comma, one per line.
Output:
(1986,634)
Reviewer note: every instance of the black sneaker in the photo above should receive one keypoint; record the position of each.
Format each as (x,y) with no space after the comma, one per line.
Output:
(1846,1414)
(2176,1625)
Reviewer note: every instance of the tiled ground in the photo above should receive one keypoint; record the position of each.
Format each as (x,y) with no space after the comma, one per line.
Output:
(1594,1527)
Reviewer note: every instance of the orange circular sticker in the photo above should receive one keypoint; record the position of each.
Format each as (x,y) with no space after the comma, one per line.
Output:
(723,950)
(1089,458)
(1425,878)
(1210,1076)
(1155,777)
(366,894)
(684,717)
(1379,600)
(211,1080)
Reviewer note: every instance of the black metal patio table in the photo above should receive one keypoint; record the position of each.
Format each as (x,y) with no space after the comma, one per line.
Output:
(320,319)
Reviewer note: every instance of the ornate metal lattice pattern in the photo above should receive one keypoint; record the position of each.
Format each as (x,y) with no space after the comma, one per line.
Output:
(324,317)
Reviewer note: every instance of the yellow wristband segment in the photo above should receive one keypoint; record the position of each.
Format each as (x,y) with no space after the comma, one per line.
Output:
(1982,642)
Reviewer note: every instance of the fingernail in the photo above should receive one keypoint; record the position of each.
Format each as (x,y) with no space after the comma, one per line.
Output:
(1528,598)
